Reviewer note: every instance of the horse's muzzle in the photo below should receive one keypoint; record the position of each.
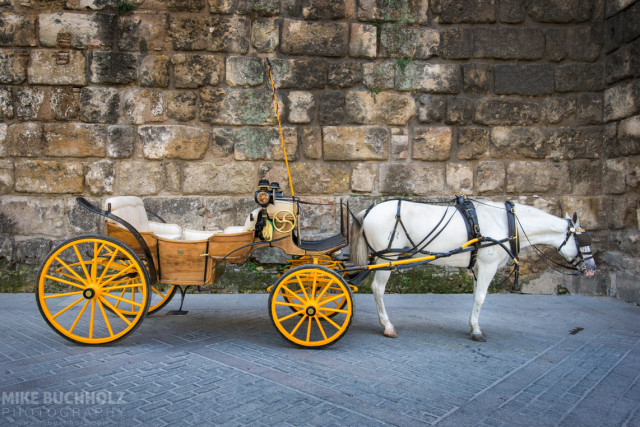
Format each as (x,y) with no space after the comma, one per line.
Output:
(588,267)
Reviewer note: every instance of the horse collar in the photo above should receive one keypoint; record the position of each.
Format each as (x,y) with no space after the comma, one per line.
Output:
(468,212)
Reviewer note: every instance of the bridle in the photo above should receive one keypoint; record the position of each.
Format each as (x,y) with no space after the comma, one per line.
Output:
(583,244)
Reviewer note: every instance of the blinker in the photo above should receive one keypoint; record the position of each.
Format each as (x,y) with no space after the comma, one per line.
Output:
(583,239)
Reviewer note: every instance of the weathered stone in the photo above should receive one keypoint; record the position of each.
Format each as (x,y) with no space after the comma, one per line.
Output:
(432,144)
(143,32)
(476,77)
(472,143)
(244,71)
(589,109)
(615,6)
(378,75)
(29,215)
(557,110)
(259,143)
(292,7)
(420,179)
(560,11)
(17,29)
(48,176)
(381,108)
(185,5)
(404,12)
(114,67)
(22,140)
(44,68)
(139,178)
(186,211)
(629,136)
(29,103)
(321,178)
(314,38)
(459,111)
(182,105)
(154,71)
(85,31)
(32,251)
(587,177)
(223,142)
(74,140)
(212,33)
(457,43)
(364,41)
(311,143)
(258,7)
(99,177)
(590,211)
(6,103)
(344,74)
(622,27)
(221,6)
(331,107)
(227,178)
(6,173)
(427,77)
(99,105)
(577,44)
(91,4)
(622,100)
(193,71)
(355,143)
(579,77)
(363,177)
(459,178)
(506,111)
(399,145)
(518,142)
(13,67)
(432,108)
(321,9)
(536,177)
(265,34)
(120,141)
(508,43)
(534,79)
(576,143)
(299,73)
(173,142)
(237,106)
(302,107)
(475,11)
(63,103)
(408,42)
(623,63)
(141,106)
(512,11)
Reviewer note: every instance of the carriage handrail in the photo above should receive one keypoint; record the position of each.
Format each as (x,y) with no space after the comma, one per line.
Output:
(153,275)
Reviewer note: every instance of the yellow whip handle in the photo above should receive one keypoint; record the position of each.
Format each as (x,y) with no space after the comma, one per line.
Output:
(284,150)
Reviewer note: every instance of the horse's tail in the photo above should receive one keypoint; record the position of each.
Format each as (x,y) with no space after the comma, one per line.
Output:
(358,248)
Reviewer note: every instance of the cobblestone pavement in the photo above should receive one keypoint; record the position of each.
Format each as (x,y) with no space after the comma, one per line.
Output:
(224,364)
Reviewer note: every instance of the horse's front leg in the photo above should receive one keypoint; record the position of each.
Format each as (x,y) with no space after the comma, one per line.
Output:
(378,285)
(484,275)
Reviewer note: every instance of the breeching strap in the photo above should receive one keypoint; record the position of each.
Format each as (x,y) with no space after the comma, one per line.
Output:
(284,150)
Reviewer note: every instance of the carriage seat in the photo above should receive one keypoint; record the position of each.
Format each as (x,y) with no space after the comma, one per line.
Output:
(131,209)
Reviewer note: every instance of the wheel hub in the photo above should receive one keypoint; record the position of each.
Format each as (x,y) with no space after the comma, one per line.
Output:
(311,311)
(89,293)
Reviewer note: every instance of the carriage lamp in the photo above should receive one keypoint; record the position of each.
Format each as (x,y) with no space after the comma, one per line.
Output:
(262,196)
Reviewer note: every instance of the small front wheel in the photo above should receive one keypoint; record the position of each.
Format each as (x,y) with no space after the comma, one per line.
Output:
(303,306)
(93,289)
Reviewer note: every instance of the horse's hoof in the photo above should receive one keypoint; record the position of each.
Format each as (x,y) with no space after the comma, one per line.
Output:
(391,333)
(478,337)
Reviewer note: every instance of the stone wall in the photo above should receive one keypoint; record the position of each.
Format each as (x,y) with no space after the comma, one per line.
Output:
(530,100)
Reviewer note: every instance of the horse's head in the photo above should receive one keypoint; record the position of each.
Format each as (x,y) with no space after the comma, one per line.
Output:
(576,247)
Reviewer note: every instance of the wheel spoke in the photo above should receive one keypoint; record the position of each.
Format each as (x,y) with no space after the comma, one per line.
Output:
(293,331)
(282,319)
(321,328)
(125,287)
(81,261)
(108,265)
(293,294)
(65,294)
(93,312)
(66,282)
(334,310)
(106,319)
(124,300)
(76,275)
(115,310)
(333,298)
(328,319)
(84,307)
(120,273)
(331,282)
(68,307)
(309,330)
(304,291)
(289,304)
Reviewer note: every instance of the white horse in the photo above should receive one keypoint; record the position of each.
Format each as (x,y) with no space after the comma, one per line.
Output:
(378,230)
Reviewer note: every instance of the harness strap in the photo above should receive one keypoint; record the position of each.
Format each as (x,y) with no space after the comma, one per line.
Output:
(468,212)
(514,238)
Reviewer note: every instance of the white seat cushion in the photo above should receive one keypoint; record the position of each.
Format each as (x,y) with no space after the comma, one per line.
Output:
(131,209)
(198,234)
(166,231)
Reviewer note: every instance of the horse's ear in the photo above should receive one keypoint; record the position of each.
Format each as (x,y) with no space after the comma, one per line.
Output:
(566,215)
(575,219)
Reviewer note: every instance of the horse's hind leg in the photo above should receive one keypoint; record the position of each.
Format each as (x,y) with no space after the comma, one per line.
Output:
(379,283)
(484,275)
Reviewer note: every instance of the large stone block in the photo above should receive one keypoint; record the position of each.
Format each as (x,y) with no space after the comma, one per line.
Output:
(321,178)
(259,143)
(228,178)
(17,30)
(459,111)
(13,67)
(212,33)
(302,107)
(74,140)
(622,28)
(378,75)
(518,142)
(629,136)
(344,74)
(48,176)
(141,106)
(432,144)
(404,12)
(623,63)
(381,108)
(299,73)
(535,79)
(538,177)
(22,140)
(114,67)
(314,38)
(586,176)
(120,141)
(506,111)
(363,177)
(29,215)
(576,143)
(512,11)
(154,71)
(398,41)
(140,178)
(258,7)
(561,11)
(473,11)
(355,143)
(244,71)
(6,173)
(557,110)
(79,30)
(99,177)
(173,142)
(427,77)
(91,4)
(331,107)
(364,41)
(508,43)
(238,106)
(413,179)
(473,143)
(6,103)
(591,211)
(311,143)
(64,103)
(576,44)
(265,34)
(181,105)
(432,108)
(459,178)
(476,78)
(457,43)
(185,5)
(30,101)
(221,6)
(324,9)
(579,77)
(187,211)
(99,105)
(589,109)
(223,142)
(622,100)
(193,71)
(45,69)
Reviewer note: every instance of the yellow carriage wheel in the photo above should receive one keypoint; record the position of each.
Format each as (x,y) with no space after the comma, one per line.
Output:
(93,289)
(160,295)
(302,306)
